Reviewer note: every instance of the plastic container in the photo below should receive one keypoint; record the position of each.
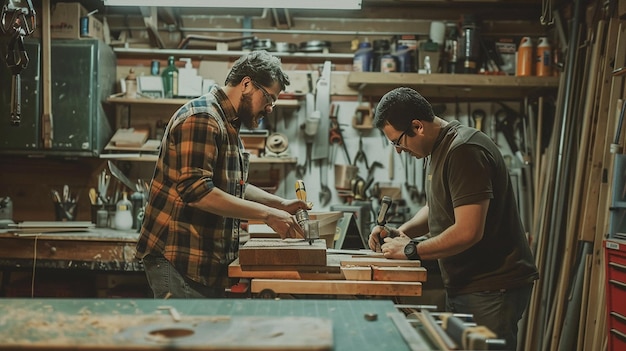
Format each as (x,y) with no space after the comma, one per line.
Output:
(131,84)
(388,64)
(381,48)
(123,214)
(362,61)
(403,55)
(524,67)
(543,64)
(452,49)
(170,79)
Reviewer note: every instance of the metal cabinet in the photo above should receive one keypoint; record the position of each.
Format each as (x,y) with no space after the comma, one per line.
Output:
(83,74)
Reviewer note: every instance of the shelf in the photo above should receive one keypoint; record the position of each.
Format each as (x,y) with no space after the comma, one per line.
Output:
(154,158)
(231,54)
(452,85)
(281,102)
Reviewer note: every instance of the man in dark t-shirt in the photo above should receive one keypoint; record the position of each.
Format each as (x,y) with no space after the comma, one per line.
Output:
(471,223)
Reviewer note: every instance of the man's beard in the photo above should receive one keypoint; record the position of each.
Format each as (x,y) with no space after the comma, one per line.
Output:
(245,114)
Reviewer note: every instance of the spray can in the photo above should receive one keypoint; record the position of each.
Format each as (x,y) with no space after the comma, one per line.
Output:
(524,58)
(544,58)
(362,61)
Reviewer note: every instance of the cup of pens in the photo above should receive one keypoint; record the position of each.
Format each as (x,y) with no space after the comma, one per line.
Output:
(65,205)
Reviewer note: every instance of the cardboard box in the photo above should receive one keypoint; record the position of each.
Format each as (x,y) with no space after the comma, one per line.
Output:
(65,20)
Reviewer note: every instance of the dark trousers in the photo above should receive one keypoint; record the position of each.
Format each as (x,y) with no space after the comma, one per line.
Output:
(499,310)
(166,281)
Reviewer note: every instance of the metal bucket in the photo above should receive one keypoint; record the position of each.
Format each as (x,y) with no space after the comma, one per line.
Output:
(344,174)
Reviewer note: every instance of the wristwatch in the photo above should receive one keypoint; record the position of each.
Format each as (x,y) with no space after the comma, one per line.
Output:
(410,251)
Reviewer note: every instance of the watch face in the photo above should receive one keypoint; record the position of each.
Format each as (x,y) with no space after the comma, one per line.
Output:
(409,250)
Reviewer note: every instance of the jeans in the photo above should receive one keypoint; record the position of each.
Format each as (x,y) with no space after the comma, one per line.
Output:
(166,282)
(498,310)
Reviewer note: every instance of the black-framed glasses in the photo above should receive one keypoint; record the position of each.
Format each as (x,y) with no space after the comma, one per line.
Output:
(268,97)
(396,143)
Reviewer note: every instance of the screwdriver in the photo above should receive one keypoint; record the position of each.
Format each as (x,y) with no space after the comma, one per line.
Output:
(302,216)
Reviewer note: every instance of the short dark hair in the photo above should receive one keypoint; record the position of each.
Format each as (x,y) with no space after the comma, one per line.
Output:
(259,65)
(400,106)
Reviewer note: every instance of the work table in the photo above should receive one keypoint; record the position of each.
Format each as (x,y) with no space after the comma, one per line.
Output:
(100,249)
(208,324)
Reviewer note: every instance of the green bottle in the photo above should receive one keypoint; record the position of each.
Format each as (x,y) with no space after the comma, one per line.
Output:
(170,79)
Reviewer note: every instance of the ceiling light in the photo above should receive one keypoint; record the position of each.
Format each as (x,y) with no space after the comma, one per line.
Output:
(286,4)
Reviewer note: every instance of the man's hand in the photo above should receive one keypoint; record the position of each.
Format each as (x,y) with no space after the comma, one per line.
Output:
(292,206)
(394,247)
(284,224)
(382,233)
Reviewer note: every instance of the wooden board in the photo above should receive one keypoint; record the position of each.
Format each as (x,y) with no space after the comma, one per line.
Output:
(393,274)
(272,252)
(380,262)
(337,287)
(403,274)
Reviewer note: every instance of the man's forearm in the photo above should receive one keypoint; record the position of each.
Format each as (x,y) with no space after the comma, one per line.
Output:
(255,194)
(417,225)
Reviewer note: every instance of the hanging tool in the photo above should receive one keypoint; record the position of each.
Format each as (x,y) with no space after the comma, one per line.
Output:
(336,137)
(310,128)
(302,215)
(507,119)
(17,22)
(411,188)
(325,193)
(478,116)
(360,155)
(381,220)
(322,104)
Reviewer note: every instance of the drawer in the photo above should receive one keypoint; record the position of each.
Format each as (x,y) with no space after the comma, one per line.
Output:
(617,322)
(617,340)
(616,265)
(616,297)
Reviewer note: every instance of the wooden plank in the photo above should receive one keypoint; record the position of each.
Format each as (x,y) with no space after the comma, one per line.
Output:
(401,274)
(337,287)
(270,272)
(357,273)
(381,262)
(272,252)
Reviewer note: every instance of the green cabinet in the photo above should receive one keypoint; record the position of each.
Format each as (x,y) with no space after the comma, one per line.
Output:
(83,74)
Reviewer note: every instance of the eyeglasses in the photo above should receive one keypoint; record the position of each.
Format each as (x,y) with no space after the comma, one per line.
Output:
(268,97)
(396,143)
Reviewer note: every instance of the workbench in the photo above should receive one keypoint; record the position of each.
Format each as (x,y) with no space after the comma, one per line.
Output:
(99,249)
(207,324)
(82,263)
(343,274)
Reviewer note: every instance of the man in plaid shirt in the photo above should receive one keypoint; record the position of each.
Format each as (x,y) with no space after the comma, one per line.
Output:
(199,191)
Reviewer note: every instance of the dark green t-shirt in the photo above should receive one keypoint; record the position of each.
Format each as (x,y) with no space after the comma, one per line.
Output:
(466,167)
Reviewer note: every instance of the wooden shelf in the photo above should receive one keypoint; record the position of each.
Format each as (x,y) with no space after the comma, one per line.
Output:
(452,85)
(281,102)
(231,54)
(154,158)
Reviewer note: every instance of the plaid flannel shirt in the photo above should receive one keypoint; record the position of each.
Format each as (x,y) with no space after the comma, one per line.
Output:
(200,150)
